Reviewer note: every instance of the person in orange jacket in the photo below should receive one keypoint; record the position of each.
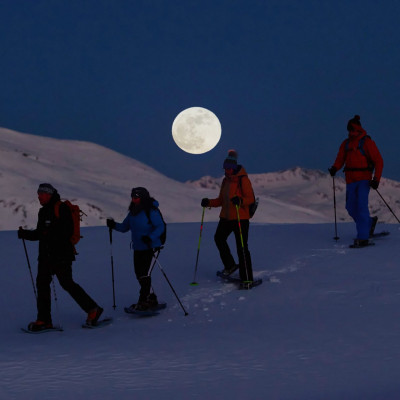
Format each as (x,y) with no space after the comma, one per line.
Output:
(236,190)
(363,170)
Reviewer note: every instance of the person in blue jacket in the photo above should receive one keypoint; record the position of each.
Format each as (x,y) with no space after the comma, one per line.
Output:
(146,224)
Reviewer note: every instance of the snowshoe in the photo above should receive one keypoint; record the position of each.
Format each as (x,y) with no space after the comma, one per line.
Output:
(360,243)
(41,327)
(149,311)
(245,285)
(229,271)
(98,323)
(380,234)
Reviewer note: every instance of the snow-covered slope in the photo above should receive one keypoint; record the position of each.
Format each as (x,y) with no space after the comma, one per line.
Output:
(96,178)
(100,180)
(307,194)
(324,327)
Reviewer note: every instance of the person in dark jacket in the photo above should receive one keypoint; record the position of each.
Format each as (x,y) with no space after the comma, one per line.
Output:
(146,224)
(236,191)
(363,170)
(56,254)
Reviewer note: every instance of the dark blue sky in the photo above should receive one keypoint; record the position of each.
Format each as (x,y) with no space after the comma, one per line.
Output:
(284,77)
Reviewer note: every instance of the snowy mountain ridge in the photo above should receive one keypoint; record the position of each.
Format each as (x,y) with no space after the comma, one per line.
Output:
(312,190)
(100,180)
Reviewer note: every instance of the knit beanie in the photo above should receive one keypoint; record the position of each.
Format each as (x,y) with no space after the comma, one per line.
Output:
(354,121)
(230,162)
(140,192)
(46,188)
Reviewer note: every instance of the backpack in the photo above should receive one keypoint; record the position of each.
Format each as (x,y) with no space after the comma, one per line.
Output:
(163,236)
(76,214)
(360,148)
(253,206)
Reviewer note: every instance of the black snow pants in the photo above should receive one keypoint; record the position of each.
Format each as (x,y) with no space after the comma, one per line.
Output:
(224,229)
(63,271)
(142,263)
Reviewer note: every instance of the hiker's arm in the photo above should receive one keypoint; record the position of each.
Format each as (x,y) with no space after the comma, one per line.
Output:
(123,226)
(218,201)
(35,234)
(341,157)
(376,158)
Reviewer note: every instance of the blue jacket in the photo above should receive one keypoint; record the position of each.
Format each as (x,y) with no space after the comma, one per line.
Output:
(139,225)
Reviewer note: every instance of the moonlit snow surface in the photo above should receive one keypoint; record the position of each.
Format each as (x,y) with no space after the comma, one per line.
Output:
(324,324)
(196,130)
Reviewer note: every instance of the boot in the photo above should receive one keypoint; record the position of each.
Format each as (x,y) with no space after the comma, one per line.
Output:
(231,270)
(39,326)
(152,300)
(93,316)
(361,243)
(374,220)
(142,306)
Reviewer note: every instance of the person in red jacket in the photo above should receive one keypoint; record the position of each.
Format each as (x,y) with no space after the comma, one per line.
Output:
(236,190)
(363,170)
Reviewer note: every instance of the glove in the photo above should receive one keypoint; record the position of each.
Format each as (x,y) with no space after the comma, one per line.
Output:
(205,202)
(237,201)
(21,233)
(374,183)
(110,223)
(147,241)
(332,170)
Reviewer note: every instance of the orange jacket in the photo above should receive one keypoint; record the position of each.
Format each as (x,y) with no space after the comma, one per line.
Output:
(231,187)
(356,164)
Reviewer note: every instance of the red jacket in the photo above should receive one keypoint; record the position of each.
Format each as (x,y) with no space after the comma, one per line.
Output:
(356,164)
(236,185)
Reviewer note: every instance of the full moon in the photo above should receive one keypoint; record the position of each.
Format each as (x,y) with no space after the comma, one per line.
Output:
(196,130)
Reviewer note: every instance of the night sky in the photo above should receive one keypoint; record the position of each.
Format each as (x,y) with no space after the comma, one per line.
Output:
(283,77)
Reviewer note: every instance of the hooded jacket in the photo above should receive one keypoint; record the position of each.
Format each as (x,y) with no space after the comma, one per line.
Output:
(236,185)
(140,225)
(357,165)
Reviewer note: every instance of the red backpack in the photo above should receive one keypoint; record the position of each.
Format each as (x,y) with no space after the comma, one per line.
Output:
(76,214)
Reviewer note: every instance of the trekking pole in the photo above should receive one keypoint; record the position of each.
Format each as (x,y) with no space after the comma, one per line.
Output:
(241,239)
(173,290)
(30,269)
(156,253)
(194,283)
(387,205)
(112,268)
(334,207)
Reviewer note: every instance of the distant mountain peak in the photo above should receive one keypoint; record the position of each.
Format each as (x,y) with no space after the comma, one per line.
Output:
(100,181)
